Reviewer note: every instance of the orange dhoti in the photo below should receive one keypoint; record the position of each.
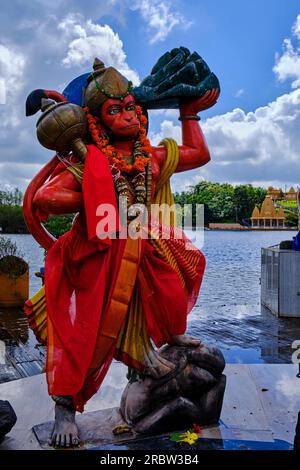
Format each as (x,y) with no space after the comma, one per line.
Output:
(111,303)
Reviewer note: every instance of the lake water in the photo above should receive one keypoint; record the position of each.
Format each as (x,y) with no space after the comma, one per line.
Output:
(232,272)
(228,311)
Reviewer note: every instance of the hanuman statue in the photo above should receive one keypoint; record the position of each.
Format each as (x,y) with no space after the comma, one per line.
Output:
(108,295)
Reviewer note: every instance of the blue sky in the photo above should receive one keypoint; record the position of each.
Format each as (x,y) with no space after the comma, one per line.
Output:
(253,47)
(238,38)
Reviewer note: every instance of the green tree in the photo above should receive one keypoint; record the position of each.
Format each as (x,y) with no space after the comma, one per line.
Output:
(12,220)
(291,218)
(11,198)
(57,225)
(259,195)
(223,202)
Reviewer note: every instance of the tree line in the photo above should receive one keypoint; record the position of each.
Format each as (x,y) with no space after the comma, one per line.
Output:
(223,202)
(12,220)
(11,197)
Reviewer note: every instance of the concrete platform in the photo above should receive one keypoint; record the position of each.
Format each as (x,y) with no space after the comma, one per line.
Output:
(261,403)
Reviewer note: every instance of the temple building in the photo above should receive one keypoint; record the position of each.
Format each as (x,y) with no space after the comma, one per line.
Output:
(268,216)
(274,193)
(291,195)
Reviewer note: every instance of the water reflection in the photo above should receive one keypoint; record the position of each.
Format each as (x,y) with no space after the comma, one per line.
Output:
(2,352)
(20,356)
(247,334)
(14,325)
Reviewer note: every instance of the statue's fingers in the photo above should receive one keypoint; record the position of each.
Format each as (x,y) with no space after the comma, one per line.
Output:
(207,96)
(193,338)
(196,339)
(178,61)
(215,93)
(58,439)
(165,71)
(196,56)
(165,60)
(68,440)
(175,51)
(161,62)
(185,50)
(212,100)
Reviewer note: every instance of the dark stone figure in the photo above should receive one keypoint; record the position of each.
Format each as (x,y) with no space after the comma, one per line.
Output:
(8,418)
(192,393)
(297,434)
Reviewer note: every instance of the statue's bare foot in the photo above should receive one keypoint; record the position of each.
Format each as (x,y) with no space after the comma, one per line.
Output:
(184,340)
(65,431)
(157,366)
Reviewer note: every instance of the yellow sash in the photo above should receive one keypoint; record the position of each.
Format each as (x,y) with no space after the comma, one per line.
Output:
(163,193)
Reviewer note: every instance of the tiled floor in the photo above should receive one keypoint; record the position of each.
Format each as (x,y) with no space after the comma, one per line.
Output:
(261,403)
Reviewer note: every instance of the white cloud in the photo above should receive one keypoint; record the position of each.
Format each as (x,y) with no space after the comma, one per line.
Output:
(12,67)
(258,146)
(159,16)
(21,175)
(287,64)
(296,27)
(167,129)
(239,93)
(31,55)
(12,81)
(87,40)
(2,91)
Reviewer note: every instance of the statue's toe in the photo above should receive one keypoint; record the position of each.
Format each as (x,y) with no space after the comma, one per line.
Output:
(194,341)
(68,440)
(185,340)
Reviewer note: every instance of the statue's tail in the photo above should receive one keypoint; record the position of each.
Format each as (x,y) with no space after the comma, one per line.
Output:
(34,100)
(38,231)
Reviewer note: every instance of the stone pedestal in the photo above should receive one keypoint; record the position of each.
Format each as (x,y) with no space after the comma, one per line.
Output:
(192,393)
(8,418)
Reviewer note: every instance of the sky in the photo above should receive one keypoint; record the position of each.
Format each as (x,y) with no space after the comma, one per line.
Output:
(253,132)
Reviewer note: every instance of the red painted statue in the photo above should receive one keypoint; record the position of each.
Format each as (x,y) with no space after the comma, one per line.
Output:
(111,297)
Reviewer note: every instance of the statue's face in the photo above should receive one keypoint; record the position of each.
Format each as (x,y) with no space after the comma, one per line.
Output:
(120,117)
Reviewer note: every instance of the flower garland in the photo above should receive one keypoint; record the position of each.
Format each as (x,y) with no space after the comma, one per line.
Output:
(142,146)
(190,437)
